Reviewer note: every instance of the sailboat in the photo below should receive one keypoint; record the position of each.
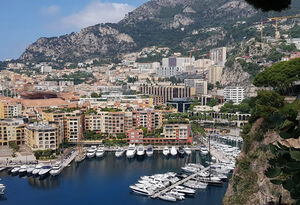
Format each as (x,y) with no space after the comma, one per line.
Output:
(81,152)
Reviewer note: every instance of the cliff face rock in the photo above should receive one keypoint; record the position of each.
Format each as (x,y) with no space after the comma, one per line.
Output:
(170,23)
(249,185)
(235,76)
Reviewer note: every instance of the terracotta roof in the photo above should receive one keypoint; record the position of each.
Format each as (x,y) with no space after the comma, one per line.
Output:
(44,102)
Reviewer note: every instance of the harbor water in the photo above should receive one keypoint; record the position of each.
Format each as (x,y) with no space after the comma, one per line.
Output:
(102,181)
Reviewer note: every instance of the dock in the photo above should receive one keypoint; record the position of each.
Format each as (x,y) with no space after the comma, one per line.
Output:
(157,194)
(67,161)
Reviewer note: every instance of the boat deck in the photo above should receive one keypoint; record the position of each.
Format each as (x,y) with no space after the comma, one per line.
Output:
(157,194)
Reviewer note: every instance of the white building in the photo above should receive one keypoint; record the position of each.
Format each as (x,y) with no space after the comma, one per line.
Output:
(234,94)
(182,62)
(215,74)
(46,69)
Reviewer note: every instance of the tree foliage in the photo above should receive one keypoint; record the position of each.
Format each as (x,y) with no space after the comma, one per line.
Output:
(280,76)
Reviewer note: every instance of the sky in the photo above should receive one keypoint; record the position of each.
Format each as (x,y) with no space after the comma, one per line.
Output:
(22,22)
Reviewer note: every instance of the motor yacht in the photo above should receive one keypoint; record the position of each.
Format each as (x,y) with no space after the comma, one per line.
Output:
(167,197)
(23,169)
(2,169)
(91,152)
(203,150)
(37,169)
(140,151)
(185,190)
(119,152)
(187,150)
(140,190)
(56,169)
(131,151)
(149,151)
(2,188)
(15,170)
(181,152)
(30,169)
(177,195)
(173,151)
(45,170)
(100,151)
(166,151)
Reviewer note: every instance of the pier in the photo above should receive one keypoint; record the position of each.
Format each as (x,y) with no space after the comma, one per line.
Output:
(157,194)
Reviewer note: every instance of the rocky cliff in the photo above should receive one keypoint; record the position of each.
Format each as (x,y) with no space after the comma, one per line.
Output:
(178,24)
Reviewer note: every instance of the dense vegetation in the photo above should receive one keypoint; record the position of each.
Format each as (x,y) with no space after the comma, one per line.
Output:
(281,76)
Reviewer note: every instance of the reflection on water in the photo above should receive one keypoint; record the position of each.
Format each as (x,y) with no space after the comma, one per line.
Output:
(105,179)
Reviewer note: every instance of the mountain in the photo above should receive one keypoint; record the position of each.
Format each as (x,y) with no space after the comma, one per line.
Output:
(178,24)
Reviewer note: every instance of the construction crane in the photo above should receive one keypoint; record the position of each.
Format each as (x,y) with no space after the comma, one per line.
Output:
(277,35)
(261,28)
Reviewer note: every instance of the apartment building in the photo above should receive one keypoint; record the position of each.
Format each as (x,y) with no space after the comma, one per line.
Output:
(215,74)
(150,119)
(9,109)
(218,55)
(12,130)
(73,127)
(173,134)
(234,94)
(41,136)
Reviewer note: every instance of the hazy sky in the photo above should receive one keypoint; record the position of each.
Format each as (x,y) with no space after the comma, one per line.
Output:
(24,21)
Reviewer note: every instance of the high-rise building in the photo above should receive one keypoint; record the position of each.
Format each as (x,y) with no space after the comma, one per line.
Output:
(199,85)
(234,94)
(168,72)
(218,55)
(181,62)
(215,74)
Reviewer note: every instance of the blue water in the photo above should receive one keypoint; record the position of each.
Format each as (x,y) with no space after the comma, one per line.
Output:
(101,181)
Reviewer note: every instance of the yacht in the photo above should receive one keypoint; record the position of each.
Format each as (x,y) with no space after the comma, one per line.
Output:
(37,169)
(166,151)
(91,152)
(45,170)
(177,195)
(2,188)
(140,190)
(140,151)
(203,150)
(181,152)
(100,151)
(15,170)
(185,190)
(131,151)
(30,169)
(56,169)
(167,197)
(119,152)
(80,157)
(149,151)
(187,150)
(173,151)
(2,169)
(23,169)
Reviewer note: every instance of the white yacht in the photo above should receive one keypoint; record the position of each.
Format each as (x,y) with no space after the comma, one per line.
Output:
(15,170)
(187,150)
(119,152)
(37,169)
(30,169)
(167,197)
(166,151)
(44,170)
(140,151)
(23,169)
(131,151)
(149,151)
(176,194)
(140,190)
(91,152)
(203,150)
(100,151)
(2,168)
(185,190)
(56,169)
(173,151)
(2,188)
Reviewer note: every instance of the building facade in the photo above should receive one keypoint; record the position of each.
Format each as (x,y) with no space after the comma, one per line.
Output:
(12,130)
(234,94)
(10,109)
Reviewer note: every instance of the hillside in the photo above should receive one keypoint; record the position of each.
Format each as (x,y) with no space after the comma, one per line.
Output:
(178,24)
